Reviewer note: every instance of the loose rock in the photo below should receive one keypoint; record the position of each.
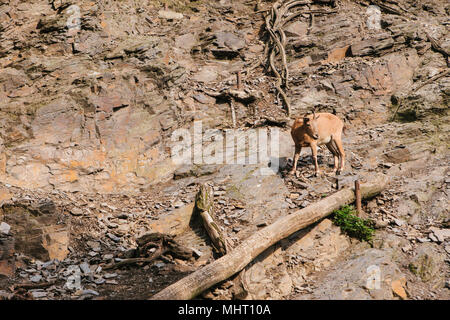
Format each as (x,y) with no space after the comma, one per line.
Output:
(4,228)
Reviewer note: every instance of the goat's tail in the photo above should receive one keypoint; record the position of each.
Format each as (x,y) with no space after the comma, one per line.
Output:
(344,129)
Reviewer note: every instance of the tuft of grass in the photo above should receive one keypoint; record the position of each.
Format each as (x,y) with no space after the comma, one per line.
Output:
(353,225)
(413,268)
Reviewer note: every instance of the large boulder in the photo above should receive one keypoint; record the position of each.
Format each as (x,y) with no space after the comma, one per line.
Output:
(370,274)
(38,231)
(427,263)
(7,260)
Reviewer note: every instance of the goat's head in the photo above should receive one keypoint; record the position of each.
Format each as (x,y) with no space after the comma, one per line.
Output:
(311,126)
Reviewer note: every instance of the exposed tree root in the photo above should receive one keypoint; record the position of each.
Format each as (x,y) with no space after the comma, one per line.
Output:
(153,246)
(275,20)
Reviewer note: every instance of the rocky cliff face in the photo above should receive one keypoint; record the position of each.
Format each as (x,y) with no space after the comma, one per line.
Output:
(89,106)
(91,92)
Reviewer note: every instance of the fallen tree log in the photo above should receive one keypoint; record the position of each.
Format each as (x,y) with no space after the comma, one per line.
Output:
(29,286)
(233,262)
(204,203)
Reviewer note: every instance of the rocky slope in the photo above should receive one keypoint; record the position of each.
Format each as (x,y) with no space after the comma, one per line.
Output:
(91,93)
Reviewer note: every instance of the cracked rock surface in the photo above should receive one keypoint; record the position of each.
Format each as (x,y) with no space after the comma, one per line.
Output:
(92,93)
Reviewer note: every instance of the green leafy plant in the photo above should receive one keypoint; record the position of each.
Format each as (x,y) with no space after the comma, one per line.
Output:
(353,225)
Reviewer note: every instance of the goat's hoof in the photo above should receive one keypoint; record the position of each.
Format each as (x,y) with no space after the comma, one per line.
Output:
(317,174)
(338,172)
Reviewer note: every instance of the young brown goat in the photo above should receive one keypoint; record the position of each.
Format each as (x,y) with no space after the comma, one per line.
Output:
(315,130)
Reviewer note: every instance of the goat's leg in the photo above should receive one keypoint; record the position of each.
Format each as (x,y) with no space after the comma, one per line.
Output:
(314,154)
(341,151)
(298,149)
(335,153)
